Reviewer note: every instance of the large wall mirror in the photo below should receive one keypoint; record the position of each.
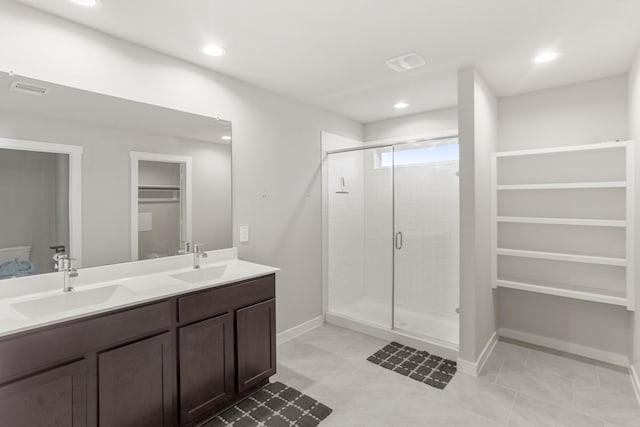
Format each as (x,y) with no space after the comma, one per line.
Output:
(108,179)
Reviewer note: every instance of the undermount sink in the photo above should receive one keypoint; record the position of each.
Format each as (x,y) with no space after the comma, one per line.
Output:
(71,300)
(201,275)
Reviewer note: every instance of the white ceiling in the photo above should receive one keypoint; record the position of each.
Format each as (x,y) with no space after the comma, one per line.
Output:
(331,53)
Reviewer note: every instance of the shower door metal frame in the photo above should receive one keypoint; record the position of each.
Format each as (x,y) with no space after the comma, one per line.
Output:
(393,143)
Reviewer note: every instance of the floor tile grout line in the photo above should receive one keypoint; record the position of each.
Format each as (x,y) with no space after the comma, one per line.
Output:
(513,405)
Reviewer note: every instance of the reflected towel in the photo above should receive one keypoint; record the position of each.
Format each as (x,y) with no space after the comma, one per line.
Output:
(16,268)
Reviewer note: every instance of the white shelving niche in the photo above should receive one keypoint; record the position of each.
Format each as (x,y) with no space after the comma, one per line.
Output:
(563,221)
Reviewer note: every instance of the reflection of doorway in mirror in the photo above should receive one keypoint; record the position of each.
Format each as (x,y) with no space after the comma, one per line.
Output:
(40,205)
(161,220)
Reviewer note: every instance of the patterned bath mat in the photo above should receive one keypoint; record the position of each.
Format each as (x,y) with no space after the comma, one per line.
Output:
(275,405)
(418,365)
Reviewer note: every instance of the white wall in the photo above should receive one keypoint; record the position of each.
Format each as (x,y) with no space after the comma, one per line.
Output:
(634,129)
(430,121)
(276,140)
(478,128)
(578,114)
(583,113)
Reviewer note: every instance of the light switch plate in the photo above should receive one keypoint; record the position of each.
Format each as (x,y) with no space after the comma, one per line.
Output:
(244,233)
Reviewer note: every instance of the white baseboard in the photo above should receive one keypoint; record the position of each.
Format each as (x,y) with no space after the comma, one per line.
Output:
(635,380)
(568,347)
(474,368)
(296,331)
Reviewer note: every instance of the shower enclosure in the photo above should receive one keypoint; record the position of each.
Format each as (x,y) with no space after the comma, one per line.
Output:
(393,238)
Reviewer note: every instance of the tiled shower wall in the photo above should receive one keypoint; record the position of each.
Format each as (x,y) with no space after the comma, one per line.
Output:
(346,228)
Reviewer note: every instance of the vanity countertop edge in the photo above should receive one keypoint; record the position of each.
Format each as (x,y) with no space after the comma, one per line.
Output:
(137,289)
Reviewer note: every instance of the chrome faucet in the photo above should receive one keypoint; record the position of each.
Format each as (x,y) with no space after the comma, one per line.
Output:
(197,254)
(185,248)
(64,263)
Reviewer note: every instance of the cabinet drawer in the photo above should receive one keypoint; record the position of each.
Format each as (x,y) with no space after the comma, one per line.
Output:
(228,298)
(24,353)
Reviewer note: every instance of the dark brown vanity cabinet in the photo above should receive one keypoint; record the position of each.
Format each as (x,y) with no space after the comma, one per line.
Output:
(207,366)
(55,397)
(135,384)
(221,326)
(166,363)
(256,343)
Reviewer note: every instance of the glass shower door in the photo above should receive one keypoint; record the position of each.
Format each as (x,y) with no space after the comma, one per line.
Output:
(360,226)
(426,239)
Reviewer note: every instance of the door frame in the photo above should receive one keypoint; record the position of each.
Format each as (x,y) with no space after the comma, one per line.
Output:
(75,185)
(186,203)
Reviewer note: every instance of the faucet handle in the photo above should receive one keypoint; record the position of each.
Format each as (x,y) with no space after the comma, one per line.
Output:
(185,247)
(198,249)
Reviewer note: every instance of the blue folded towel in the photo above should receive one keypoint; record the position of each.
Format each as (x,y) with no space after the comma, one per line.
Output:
(16,268)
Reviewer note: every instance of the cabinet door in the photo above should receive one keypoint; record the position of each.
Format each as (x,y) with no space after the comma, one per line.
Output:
(256,337)
(135,384)
(57,397)
(207,370)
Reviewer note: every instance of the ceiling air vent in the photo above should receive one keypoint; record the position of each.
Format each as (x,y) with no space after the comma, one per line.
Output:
(406,62)
(28,88)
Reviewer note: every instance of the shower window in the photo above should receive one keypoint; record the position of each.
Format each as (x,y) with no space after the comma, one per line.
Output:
(413,154)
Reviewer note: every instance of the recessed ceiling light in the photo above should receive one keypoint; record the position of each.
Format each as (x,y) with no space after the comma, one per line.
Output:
(213,50)
(87,3)
(400,105)
(546,57)
(227,138)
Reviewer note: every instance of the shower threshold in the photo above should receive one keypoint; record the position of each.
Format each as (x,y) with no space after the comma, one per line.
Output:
(430,344)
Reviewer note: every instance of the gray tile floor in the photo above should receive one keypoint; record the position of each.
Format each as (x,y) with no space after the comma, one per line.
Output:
(520,386)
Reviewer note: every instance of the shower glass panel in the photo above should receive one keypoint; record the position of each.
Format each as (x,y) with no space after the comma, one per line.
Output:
(426,238)
(360,230)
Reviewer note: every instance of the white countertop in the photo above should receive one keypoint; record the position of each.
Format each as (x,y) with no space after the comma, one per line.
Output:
(36,301)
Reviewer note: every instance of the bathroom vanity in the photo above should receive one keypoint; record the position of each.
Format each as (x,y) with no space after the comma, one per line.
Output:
(163,349)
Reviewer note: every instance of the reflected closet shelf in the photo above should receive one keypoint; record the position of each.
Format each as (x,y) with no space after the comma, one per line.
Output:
(159,187)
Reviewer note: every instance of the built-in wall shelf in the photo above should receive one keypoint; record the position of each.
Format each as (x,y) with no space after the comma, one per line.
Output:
(594,184)
(586,294)
(562,257)
(563,186)
(564,221)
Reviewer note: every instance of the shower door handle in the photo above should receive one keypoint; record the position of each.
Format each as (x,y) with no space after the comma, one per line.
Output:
(399,240)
